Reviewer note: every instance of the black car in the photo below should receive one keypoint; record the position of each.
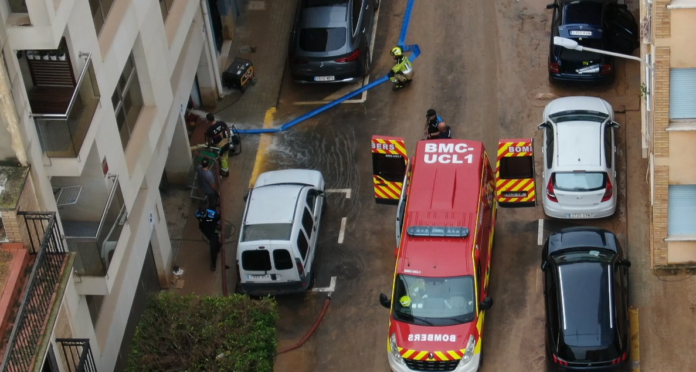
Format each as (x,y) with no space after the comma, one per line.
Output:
(586,299)
(598,24)
(330,41)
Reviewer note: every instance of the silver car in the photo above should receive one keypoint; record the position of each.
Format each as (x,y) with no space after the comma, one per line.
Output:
(278,237)
(330,41)
(579,158)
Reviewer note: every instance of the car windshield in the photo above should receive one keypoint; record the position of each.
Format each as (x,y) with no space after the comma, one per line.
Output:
(435,301)
(267,231)
(573,55)
(578,115)
(579,181)
(322,39)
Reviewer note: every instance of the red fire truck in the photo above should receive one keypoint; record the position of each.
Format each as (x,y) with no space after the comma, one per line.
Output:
(444,232)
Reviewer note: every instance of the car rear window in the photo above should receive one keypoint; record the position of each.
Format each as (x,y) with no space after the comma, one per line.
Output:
(322,39)
(585,12)
(267,231)
(282,259)
(579,181)
(573,55)
(257,260)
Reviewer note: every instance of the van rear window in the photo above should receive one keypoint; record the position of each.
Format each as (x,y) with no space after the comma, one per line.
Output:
(257,260)
(267,231)
(282,259)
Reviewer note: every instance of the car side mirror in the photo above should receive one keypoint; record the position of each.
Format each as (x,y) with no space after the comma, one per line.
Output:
(625,262)
(543,125)
(552,6)
(543,266)
(615,125)
(486,304)
(384,301)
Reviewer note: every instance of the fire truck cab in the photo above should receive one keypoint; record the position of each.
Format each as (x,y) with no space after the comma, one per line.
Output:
(444,231)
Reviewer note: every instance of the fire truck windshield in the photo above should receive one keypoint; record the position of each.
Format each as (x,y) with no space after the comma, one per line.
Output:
(435,301)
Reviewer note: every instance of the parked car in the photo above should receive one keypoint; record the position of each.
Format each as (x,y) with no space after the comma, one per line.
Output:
(599,24)
(586,301)
(330,41)
(579,158)
(278,237)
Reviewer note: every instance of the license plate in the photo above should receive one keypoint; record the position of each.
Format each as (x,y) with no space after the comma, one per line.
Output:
(324,78)
(580,215)
(259,277)
(509,194)
(581,33)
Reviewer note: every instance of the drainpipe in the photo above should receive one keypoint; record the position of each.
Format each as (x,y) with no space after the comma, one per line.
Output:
(8,110)
(211,46)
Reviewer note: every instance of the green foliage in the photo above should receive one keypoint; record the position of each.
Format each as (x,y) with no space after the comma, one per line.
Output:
(191,333)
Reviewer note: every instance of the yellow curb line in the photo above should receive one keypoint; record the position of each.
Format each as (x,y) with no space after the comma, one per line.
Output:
(635,339)
(265,142)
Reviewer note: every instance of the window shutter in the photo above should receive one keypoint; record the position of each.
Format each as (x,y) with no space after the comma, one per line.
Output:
(682,93)
(681,215)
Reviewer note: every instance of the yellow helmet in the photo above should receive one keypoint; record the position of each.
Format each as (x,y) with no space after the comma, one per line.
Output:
(396,52)
(405,301)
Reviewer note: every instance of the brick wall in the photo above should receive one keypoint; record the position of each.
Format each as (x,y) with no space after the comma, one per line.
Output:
(15,228)
(661,19)
(659,220)
(660,94)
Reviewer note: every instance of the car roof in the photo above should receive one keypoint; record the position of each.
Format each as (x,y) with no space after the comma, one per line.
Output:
(579,143)
(442,194)
(586,304)
(272,204)
(325,17)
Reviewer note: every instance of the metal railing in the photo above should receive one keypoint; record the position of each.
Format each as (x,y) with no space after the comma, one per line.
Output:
(46,243)
(77,355)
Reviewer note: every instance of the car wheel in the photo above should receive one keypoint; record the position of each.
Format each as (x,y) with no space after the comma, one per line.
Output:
(376,5)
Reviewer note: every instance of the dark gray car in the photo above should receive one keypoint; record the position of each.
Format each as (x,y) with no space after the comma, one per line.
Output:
(330,41)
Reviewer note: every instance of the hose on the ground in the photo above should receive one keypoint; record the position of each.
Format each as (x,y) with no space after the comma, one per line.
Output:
(311,330)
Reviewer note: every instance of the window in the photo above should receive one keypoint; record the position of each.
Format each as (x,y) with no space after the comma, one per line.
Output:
(579,181)
(307,221)
(127,100)
(258,260)
(302,244)
(18,6)
(435,301)
(267,231)
(165,7)
(549,145)
(608,148)
(357,7)
(282,259)
(682,93)
(513,168)
(311,199)
(390,167)
(681,210)
(100,10)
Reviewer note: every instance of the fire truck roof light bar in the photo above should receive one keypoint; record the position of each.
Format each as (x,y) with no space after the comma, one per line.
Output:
(438,231)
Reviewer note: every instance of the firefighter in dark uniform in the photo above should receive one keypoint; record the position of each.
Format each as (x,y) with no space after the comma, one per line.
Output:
(209,224)
(218,135)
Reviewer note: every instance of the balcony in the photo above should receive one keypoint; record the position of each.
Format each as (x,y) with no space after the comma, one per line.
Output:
(77,355)
(62,107)
(93,221)
(37,308)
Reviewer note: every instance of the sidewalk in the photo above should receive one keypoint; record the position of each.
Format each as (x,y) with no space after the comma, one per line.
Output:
(267,31)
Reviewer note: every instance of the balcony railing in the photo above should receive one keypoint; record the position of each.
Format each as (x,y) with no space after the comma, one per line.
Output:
(77,355)
(95,241)
(62,111)
(30,324)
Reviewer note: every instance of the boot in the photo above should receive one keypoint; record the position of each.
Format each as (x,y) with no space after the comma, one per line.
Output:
(224,172)
(397,87)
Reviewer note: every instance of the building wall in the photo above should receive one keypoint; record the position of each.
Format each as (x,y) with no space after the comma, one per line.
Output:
(167,57)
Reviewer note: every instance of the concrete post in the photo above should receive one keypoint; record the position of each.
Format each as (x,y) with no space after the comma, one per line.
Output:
(8,112)
(179,157)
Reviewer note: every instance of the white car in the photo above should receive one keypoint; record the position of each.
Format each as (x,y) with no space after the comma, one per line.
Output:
(278,237)
(579,158)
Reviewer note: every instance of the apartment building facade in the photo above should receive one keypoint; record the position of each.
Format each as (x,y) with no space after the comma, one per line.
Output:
(669,128)
(92,98)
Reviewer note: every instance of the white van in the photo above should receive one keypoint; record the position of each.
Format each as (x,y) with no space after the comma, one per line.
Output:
(278,237)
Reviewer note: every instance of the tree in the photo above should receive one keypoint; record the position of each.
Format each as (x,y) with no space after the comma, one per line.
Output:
(191,333)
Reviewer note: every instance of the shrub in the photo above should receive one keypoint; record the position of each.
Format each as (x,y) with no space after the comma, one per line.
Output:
(191,333)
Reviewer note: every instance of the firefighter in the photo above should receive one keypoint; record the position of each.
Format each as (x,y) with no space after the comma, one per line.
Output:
(218,135)
(209,224)
(402,72)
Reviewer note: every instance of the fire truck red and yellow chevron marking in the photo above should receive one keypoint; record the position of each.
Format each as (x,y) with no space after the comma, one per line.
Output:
(507,149)
(514,149)
(386,189)
(437,355)
(520,185)
(389,146)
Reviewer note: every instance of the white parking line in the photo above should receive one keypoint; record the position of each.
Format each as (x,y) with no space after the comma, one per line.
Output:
(366,80)
(330,288)
(347,191)
(540,236)
(341,233)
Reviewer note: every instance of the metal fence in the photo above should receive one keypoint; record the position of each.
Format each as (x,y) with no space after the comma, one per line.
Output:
(46,244)
(77,354)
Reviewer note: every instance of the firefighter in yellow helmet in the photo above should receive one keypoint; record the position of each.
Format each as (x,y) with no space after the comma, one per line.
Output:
(402,72)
